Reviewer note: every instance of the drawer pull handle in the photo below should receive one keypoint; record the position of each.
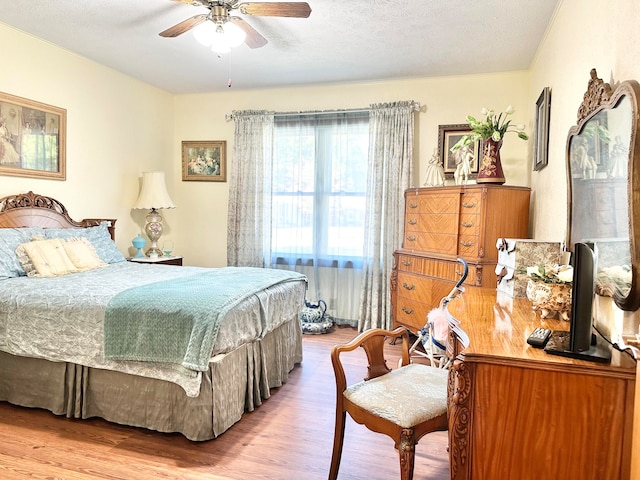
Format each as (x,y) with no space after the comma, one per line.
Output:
(412,222)
(408,311)
(411,238)
(413,205)
(406,263)
(467,244)
(468,205)
(467,224)
(407,286)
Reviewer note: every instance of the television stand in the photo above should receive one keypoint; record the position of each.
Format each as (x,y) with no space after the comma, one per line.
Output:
(558,344)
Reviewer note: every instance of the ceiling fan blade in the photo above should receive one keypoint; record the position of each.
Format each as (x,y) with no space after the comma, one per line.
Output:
(189,2)
(276,9)
(184,26)
(254,39)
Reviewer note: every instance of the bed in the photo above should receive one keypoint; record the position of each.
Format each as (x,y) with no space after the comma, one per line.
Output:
(59,343)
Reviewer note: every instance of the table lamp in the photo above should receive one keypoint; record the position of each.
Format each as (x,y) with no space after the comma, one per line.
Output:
(153,196)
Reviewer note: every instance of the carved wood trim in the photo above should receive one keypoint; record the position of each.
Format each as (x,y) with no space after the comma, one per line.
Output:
(406,449)
(597,93)
(460,379)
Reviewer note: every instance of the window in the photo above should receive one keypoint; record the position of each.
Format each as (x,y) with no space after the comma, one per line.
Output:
(319,188)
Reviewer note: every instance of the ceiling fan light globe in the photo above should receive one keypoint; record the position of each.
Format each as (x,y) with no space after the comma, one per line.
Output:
(220,43)
(204,33)
(234,34)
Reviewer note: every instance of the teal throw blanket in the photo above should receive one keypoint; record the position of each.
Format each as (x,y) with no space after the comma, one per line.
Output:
(177,321)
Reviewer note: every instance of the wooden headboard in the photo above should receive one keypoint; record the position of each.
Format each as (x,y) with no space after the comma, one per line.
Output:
(33,210)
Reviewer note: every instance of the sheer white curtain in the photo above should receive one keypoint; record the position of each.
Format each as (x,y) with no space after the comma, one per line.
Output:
(319,197)
(249,216)
(391,127)
(323,194)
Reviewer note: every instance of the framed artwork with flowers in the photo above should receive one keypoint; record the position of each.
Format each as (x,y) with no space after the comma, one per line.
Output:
(450,135)
(204,161)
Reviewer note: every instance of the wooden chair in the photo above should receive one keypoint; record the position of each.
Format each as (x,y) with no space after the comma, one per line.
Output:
(406,403)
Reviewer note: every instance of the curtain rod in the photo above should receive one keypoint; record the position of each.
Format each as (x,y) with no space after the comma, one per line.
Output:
(416,107)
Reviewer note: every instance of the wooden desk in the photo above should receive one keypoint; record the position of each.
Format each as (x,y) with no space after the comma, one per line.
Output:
(516,412)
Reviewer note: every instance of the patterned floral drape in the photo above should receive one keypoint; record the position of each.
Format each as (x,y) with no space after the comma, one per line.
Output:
(391,127)
(249,216)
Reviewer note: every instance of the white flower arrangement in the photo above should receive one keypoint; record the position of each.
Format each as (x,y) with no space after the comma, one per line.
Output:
(494,126)
(562,274)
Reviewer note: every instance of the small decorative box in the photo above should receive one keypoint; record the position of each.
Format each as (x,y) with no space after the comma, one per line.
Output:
(515,255)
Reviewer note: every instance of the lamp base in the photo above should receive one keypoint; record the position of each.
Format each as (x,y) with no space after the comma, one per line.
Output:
(154,230)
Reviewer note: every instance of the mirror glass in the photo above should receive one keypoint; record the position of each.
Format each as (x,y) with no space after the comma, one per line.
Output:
(600,156)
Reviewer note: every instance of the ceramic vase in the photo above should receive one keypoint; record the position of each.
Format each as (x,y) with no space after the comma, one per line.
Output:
(490,166)
(138,243)
(551,299)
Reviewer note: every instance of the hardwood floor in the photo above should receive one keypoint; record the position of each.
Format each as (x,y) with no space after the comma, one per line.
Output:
(289,437)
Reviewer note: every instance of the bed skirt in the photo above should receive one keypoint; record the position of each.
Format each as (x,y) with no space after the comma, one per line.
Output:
(234,383)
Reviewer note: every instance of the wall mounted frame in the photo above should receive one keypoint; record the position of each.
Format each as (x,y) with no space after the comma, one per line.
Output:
(32,138)
(541,133)
(448,136)
(204,161)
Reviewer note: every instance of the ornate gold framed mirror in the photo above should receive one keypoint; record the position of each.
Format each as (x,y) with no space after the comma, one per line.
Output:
(603,171)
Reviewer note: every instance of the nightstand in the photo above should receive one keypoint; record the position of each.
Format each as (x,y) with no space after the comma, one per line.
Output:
(164,260)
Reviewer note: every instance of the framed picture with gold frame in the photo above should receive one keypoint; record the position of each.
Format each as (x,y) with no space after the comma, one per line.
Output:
(204,161)
(448,136)
(32,138)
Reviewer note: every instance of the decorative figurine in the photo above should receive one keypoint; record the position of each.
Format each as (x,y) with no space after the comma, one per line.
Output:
(435,172)
(464,157)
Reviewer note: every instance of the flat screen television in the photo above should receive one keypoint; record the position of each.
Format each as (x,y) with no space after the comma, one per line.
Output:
(579,341)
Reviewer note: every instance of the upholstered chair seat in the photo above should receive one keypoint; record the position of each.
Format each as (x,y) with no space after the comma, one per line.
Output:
(407,396)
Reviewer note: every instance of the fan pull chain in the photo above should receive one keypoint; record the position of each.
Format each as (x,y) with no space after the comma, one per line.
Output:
(229,70)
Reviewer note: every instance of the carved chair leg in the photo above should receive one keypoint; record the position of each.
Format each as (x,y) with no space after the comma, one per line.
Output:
(407,451)
(337,445)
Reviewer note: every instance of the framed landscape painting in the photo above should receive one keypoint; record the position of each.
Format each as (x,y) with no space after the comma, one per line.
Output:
(204,161)
(32,138)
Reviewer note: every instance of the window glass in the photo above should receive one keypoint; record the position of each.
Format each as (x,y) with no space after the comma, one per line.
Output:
(319,187)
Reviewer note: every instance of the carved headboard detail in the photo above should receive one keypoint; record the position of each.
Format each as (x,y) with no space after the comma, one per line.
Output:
(34,210)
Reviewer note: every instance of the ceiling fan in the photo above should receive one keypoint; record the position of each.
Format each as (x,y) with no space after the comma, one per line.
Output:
(231,28)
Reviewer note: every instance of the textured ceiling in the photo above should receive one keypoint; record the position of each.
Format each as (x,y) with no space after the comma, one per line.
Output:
(342,41)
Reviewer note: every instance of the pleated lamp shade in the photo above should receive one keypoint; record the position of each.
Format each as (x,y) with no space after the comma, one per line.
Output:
(153,194)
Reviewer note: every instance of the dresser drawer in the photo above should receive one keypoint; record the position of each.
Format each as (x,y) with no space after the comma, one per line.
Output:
(433,242)
(416,297)
(438,269)
(470,203)
(433,222)
(442,203)
(469,246)
(411,314)
(469,224)
(415,287)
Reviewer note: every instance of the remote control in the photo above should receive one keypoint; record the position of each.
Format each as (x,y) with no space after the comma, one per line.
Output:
(539,337)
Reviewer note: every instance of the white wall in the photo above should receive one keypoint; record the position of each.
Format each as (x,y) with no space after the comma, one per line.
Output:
(583,35)
(117,127)
(446,100)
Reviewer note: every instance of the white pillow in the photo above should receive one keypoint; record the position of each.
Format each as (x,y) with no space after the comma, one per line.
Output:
(81,252)
(45,258)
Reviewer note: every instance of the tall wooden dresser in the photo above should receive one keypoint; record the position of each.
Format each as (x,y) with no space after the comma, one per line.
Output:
(442,224)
